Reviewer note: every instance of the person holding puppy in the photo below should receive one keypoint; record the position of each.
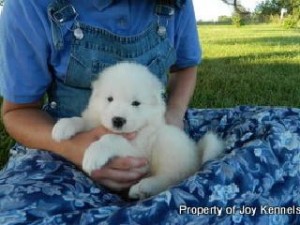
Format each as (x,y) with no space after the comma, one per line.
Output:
(59,47)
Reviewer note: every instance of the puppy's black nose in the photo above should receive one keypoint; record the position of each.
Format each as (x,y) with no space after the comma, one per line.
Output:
(118,122)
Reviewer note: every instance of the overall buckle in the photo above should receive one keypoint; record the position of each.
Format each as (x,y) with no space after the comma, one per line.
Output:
(64,14)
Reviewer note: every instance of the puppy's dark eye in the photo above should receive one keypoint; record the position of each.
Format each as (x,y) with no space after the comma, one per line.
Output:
(110,99)
(135,103)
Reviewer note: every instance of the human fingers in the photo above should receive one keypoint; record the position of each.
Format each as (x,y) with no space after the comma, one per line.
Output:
(122,169)
(130,136)
(120,176)
(116,180)
(127,163)
(101,130)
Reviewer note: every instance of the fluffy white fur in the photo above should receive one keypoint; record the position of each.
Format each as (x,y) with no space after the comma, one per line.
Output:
(127,97)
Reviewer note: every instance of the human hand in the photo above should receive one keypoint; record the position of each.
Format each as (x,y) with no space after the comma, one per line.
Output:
(120,173)
(74,148)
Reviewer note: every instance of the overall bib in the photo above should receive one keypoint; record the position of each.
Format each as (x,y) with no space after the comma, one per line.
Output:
(39,187)
(94,49)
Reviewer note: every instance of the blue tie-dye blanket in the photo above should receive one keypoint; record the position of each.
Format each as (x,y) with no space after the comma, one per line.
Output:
(257,181)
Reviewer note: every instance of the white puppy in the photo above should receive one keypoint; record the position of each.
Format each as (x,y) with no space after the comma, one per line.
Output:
(127,97)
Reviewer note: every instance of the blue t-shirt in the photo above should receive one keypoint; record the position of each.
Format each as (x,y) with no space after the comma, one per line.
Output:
(28,59)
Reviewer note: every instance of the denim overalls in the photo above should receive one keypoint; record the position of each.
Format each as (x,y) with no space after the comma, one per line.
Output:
(94,49)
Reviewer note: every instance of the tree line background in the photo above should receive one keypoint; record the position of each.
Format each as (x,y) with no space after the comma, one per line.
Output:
(267,11)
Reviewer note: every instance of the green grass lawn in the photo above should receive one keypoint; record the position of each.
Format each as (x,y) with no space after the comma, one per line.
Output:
(256,65)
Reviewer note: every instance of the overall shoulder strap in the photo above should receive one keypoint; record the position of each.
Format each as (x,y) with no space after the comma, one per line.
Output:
(61,11)
(167,7)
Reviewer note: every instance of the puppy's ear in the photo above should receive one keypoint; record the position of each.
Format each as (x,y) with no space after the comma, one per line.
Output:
(96,87)
(159,105)
(160,96)
(158,91)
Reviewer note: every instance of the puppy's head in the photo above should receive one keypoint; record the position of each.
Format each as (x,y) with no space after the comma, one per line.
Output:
(127,97)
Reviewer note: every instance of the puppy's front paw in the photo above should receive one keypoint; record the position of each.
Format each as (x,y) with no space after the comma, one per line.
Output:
(66,128)
(95,157)
(108,147)
(142,190)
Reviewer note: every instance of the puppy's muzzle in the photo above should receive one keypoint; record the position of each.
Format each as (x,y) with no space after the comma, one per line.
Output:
(118,122)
